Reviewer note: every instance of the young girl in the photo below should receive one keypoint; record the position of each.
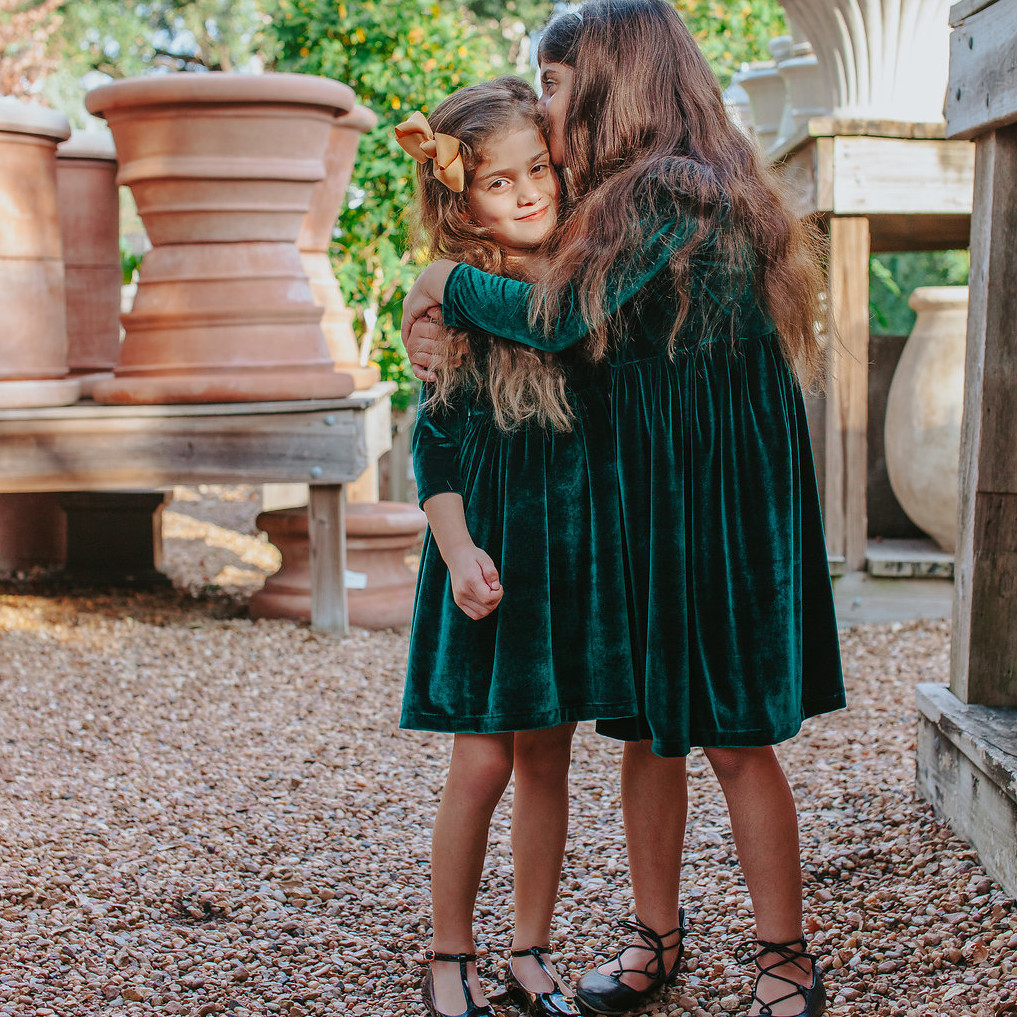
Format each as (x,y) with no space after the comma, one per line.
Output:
(520,624)
(683,266)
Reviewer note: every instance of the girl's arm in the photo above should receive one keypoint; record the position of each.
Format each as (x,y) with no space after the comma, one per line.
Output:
(473,299)
(475,585)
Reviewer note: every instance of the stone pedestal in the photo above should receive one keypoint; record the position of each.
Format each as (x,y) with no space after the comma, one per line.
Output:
(90,227)
(114,538)
(33,336)
(379,536)
(222,167)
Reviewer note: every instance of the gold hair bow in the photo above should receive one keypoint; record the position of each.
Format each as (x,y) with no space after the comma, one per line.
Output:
(416,137)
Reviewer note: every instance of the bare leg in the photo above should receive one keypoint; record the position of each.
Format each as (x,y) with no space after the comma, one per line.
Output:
(765,827)
(540,817)
(654,804)
(478,775)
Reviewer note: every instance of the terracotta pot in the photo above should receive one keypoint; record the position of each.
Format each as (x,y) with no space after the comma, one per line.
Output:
(33,531)
(327,201)
(923,412)
(881,59)
(90,226)
(222,168)
(379,536)
(33,339)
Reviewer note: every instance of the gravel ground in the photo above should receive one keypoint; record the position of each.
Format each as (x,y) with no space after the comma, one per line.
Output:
(202,814)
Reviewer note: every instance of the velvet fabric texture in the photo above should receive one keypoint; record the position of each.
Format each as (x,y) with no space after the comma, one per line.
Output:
(544,505)
(732,617)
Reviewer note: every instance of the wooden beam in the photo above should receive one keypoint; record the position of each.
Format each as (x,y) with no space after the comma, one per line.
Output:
(326,527)
(982,94)
(873,176)
(984,644)
(846,516)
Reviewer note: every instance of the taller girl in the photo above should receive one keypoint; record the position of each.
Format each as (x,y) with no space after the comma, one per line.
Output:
(684,265)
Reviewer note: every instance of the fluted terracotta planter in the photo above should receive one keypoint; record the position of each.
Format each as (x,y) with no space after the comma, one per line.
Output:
(222,167)
(327,201)
(379,536)
(90,227)
(879,59)
(33,320)
(923,412)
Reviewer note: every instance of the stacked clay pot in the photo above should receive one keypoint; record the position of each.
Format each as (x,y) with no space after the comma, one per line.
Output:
(33,339)
(379,536)
(327,201)
(90,225)
(222,167)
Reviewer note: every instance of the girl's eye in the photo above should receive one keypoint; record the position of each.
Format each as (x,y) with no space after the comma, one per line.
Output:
(539,170)
(496,184)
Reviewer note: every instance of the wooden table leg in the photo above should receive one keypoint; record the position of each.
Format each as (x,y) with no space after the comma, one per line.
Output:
(326,526)
(847,395)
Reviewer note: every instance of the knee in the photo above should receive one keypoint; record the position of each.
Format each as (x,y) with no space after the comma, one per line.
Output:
(732,765)
(481,770)
(544,755)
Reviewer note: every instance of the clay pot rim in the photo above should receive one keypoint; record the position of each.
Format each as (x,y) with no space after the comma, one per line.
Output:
(88,145)
(927,296)
(213,87)
(360,118)
(17,117)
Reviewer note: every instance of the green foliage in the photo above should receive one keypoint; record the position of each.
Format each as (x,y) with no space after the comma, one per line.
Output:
(730,32)
(397,58)
(892,277)
(126,38)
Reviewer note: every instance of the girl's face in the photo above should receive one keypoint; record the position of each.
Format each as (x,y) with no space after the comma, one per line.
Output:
(555,91)
(514,190)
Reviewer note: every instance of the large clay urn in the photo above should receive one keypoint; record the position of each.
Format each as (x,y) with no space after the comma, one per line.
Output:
(222,167)
(327,201)
(379,536)
(33,321)
(767,96)
(923,412)
(878,59)
(90,226)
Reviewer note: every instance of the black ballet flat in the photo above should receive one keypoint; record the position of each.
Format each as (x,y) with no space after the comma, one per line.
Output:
(598,993)
(427,985)
(813,996)
(555,1003)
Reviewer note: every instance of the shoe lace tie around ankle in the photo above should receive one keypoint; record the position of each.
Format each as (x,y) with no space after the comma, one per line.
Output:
(793,952)
(654,943)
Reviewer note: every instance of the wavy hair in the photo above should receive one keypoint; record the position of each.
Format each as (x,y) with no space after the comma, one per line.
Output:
(646,121)
(522,384)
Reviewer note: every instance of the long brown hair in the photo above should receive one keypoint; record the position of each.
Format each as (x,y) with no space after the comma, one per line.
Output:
(645,106)
(522,384)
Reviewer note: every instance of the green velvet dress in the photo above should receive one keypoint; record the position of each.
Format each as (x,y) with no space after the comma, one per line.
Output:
(733,624)
(544,505)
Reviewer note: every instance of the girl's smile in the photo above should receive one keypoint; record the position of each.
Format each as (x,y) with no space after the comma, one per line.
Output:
(513,193)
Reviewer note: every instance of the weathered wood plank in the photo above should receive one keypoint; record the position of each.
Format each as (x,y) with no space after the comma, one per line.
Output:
(982,93)
(984,642)
(846,518)
(919,232)
(326,523)
(965,8)
(873,176)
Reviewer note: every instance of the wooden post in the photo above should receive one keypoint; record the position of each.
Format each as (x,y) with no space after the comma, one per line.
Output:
(846,518)
(984,646)
(326,525)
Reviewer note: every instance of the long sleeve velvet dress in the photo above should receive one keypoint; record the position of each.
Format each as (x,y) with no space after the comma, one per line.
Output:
(544,505)
(733,626)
